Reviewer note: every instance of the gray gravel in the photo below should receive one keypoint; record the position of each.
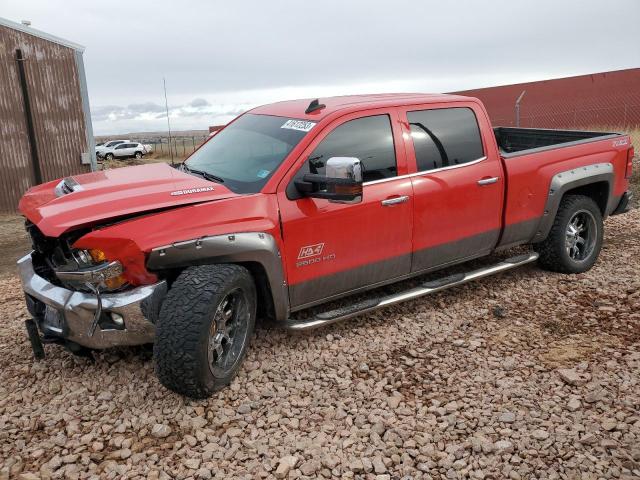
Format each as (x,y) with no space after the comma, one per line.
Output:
(525,375)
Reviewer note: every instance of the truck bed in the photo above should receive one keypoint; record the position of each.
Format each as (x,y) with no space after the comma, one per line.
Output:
(519,141)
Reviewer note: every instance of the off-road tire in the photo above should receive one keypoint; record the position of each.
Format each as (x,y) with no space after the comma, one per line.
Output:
(108,156)
(553,251)
(183,330)
(138,155)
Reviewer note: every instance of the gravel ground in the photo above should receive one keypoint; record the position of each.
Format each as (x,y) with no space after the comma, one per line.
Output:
(524,375)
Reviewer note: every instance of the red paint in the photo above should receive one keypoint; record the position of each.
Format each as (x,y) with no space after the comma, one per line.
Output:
(114,193)
(450,205)
(354,234)
(443,206)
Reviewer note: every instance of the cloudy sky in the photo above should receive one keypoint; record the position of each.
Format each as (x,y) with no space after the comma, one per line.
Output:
(221,58)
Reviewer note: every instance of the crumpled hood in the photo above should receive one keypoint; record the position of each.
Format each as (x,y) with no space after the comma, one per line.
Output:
(95,197)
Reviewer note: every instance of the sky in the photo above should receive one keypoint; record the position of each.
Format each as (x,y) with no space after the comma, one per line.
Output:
(220,58)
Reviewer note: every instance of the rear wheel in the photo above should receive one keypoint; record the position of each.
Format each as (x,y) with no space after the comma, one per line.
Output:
(575,239)
(204,329)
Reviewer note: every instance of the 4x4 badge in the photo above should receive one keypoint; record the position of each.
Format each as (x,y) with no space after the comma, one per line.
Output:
(310,251)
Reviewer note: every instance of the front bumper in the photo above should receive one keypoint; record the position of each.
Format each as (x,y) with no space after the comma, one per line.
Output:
(66,314)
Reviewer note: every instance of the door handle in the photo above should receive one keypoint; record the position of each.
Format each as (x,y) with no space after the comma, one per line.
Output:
(488,181)
(395,201)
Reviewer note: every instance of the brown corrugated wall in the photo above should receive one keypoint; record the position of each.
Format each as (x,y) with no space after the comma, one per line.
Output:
(56,105)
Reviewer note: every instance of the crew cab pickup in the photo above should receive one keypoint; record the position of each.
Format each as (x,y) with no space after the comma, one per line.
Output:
(299,203)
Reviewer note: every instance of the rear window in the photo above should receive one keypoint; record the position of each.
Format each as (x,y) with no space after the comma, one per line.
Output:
(445,137)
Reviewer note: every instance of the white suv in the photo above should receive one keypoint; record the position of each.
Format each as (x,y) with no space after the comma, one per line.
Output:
(102,148)
(125,150)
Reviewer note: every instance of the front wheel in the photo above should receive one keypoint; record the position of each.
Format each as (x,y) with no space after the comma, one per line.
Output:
(575,239)
(204,329)
(138,155)
(109,156)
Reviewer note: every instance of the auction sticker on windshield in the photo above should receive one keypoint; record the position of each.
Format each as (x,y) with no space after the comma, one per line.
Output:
(300,125)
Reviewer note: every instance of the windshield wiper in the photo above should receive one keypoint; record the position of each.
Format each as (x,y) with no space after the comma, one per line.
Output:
(206,175)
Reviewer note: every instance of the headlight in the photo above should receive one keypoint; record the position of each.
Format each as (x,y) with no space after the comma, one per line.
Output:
(97,255)
(95,269)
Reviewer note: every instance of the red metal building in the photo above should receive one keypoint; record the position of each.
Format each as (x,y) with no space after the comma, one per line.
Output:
(45,118)
(599,100)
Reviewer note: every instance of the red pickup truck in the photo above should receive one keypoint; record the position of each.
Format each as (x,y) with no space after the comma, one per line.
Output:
(298,203)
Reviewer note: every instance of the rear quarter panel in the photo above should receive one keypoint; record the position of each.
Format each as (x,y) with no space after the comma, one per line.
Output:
(529,176)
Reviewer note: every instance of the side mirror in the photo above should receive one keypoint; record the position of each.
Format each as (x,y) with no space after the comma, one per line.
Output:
(341,184)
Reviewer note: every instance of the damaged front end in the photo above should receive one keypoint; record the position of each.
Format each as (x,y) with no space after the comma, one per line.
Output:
(79,298)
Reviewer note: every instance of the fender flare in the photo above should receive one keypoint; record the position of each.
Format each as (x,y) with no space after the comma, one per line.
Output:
(254,247)
(565,181)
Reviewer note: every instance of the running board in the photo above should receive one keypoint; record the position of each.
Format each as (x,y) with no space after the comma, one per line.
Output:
(432,286)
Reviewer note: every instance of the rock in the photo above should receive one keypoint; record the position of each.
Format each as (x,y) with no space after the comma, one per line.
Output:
(160,430)
(310,467)
(331,461)
(609,424)
(198,422)
(509,364)
(378,428)
(356,466)
(503,446)
(97,446)
(105,396)
(498,311)
(378,465)
(573,405)
(192,463)
(363,368)
(55,387)
(28,476)
(571,376)
(204,473)
(285,465)
(451,407)
(244,409)
(507,417)
(540,434)
(594,396)
(393,401)
(589,439)
(459,464)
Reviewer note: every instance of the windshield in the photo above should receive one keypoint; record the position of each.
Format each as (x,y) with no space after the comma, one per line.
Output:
(246,153)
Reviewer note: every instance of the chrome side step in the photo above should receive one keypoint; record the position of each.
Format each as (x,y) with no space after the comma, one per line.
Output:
(432,286)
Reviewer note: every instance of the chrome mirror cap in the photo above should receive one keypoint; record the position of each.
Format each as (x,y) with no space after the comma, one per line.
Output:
(345,168)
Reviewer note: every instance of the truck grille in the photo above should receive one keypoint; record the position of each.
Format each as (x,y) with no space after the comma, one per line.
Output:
(50,253)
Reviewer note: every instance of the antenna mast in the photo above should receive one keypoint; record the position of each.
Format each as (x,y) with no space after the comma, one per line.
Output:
(166,105)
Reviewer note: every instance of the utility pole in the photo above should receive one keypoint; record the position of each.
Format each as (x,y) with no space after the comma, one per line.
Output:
(518,108)
(166,105)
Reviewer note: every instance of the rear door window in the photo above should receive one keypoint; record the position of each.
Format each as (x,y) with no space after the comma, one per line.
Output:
(445,137)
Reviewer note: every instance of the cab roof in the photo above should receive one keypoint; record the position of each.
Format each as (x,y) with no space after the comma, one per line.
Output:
(297,108)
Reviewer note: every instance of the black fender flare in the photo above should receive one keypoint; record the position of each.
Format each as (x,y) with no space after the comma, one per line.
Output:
(245,247)
(565,181)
